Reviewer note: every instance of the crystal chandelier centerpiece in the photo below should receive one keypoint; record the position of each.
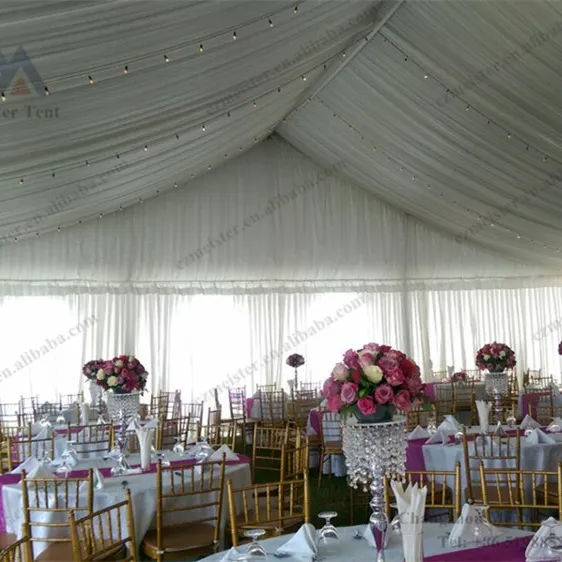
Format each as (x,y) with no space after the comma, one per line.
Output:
(373,451)
(122,406)
(496,383)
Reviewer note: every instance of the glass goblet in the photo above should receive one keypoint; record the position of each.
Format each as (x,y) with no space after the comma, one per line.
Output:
(482,528)
(511,420)
(61,420)
(255,551)
(552,543)
(178,447)
(162,458)
(64,469)
(328,535)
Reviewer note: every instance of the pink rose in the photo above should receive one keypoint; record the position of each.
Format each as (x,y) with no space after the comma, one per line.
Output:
(349,392)
(395,378)
(385,348)
(372,346)
(366,406)
(409,368)
(340,372)
(384,394)
(330,388)
(490,366)
(402,401)
(366,358)
(414,384)
(351,359)
(387,364)
(334,403)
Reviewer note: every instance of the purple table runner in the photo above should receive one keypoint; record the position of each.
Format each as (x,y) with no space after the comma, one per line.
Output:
(508,551)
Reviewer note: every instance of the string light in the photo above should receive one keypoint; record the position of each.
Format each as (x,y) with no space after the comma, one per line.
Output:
(203,128)
(166,58)
(58,228)
(343,54)
(304,77)
(426,77)
(91,80)
(176,184)
(145,147)
(47,91)
(2,96)
(126,70)
(234,35)
(120,207)
(270,23)
(101,215)
(87,163)
(21,181)
(201,48)
(254,105)
(296,10)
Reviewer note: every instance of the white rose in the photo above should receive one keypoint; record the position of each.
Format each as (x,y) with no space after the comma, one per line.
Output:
(340,373)
(101,375)
(118,363)
(373,373)
(486,357)
(502,353)
(112,381)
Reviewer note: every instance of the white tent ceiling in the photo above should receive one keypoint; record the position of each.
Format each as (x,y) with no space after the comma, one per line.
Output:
(181,87)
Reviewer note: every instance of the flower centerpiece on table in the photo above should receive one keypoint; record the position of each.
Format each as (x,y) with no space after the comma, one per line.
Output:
(560,348)
(91,368)
(372,382)
(459,376)
(295,361)
(495,357)
(122,375)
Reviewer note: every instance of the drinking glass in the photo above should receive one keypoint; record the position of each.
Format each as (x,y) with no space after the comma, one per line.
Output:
(162,458)
(511,420)
(431,425)
(64,469)
(482,528)
(46,458)
(178,447)
(121,467)
(61,420)
(552,543)
(328,535)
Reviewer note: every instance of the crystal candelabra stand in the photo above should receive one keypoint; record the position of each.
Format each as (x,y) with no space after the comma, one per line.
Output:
(497,383)
(373,451)
(95,393)
(296,379)
(128,404)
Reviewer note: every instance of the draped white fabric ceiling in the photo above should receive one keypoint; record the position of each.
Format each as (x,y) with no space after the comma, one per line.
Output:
(146,96)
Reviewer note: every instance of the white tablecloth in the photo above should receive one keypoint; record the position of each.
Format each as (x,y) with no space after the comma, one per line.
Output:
(348,548)
(143,492)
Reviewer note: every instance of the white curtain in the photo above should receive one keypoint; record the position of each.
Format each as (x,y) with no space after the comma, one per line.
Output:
(198,342)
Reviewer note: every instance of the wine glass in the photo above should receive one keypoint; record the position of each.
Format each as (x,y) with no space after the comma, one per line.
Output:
(163,460)
(328,535)
(178,447)
(431,425)
(64,469)
(61,420)
(482,528)
(552,543)
(204,450)
(511,420)
(255,550)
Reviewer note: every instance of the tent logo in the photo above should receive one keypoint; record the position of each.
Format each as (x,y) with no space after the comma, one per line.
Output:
(19,77)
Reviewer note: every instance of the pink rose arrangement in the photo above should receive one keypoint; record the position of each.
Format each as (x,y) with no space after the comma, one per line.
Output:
(495,357)
(373,379)
(560,348)
(459,376)
(91,368)
(122,375)
(295,360)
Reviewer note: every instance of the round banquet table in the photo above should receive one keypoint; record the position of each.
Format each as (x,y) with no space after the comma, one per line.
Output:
(510,547)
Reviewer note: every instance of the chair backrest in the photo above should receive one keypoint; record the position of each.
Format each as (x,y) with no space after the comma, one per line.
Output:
(445,403)
(237,402)
(92,441)
(420,416)
(189,488)
(10,414)
(295,460)
(266,388)
(540,404)
(20,449)
(159,406)
(99,535)
(20,551)
(330,427)
(515,490)
(443,489)
(223,433)
(169,431)
(267,448)
(52,499)
(299,409)
(276,507)
(214,416)
(71,399)
(489,449)
(272,407)
(194,410)
(312,386)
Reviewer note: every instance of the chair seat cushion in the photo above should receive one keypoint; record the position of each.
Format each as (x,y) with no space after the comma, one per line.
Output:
(501,496)
(184,537)
(7,539)
(62,552)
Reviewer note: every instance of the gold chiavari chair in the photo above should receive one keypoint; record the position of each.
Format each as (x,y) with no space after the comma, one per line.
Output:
(92,441)
(98,536)
(46,506)
(48,410)
(278,508)
(488,449)
(170,431)
(445,402)
(218,434)
(267,449)
(193,410)
(295,460)
(473,374)
(196,489)
(540,404)
(304,394)
(266,388)
(443,490)
(439,375)
(237,405)
(18,551)
(272,408)
(518,490)
(71,399)
(159,406)
(299,409)
(312,386)
(330,442)
(465,398)
(20,449)
(214,417)
(535,378)
(11,415)
(420,416)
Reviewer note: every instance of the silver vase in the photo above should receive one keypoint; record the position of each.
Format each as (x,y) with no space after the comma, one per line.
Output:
(122,406)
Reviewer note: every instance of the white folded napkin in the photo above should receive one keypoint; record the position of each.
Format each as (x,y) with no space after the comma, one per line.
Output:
(536,549)
(419,433)
(85,413)
(411,508)
(529,423)
(28,465)
(217,455)
(45,433)
(438,437)
(151,424)
(449,425)
(71,461)
(302,544)
(483,414)
(232,554)
(500,431)
(40,471)
(555,425)
(537,436)
(35,429)
(99,480)
(145,436)
(463,531)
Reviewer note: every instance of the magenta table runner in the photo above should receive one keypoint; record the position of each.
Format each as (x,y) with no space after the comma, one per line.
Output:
(6,479)
(429,390)
(508,551)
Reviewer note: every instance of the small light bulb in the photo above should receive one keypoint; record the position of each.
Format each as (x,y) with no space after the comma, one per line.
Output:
(176,185)
(209,167)
(120,207)
(303,77)
(177,137)
(166,58)
(508,135)
(201,48)
(47,91)
(15,240)
(467,107)
(145,147)
(343,54)
(87,163)
(90,79)
(141,200)
(270,23)
(426,77)
(519,236)
(234,35)
(36,234)
(21,181)
(203,127)
(279,90)
(254,105)
(2,96)
(296,10)
(58,228)
(126,70)
(101,215)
